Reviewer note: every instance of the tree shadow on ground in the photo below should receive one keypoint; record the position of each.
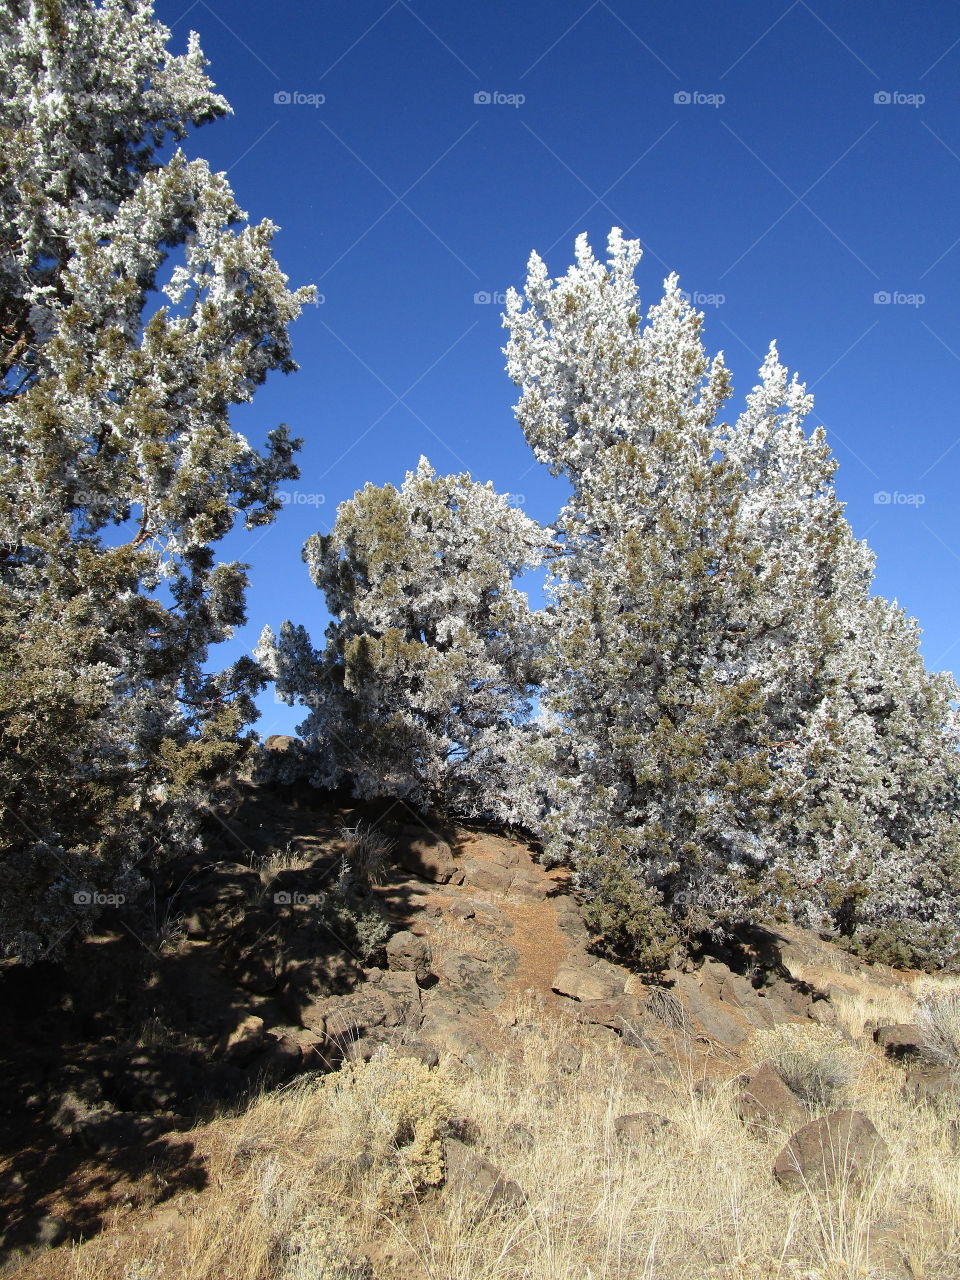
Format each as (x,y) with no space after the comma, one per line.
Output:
(138,1033)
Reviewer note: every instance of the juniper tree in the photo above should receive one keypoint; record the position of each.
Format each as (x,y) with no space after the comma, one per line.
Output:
(697,632)
(422,687)
(137,304)
(875,856)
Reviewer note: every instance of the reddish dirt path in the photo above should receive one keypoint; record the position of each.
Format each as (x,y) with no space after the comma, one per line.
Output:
(536,935)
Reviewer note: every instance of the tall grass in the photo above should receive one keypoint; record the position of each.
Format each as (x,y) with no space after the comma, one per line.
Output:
(319,1181)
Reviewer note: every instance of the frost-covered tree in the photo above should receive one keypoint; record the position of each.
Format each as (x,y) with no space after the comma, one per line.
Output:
(696,627)
(422,689)
(875,855)
(136,305)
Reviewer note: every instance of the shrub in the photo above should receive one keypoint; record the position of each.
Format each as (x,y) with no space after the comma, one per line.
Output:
(365,857)
(400,1112)
(815,1062)
(938,1017)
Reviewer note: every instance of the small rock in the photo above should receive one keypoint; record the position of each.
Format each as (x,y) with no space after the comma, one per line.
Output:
(641,1128)
(470,1175)
(843,1144)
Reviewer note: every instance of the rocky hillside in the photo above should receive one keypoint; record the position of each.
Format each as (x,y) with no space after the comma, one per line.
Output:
(464,968)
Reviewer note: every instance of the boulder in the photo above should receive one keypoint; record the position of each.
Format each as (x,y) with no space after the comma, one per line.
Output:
(569,1059)
(520,1136)
(473,978)
(765,1101)
(583,981)
(719,1022)
(841,1145)
(934,1086)
(278,1061)
(376,1007)
(487,875)
(408,953)
(218,898)
(308,983)
(426,855)
(259,970)
(527,884)
(424,1053)
(246,1040)
(900,1040)
(448,1027)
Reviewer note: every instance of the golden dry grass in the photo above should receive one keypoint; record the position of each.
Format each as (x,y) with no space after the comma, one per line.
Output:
(313,1177)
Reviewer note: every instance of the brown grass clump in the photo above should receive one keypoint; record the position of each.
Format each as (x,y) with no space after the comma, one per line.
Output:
(938,1017)
(816,1062)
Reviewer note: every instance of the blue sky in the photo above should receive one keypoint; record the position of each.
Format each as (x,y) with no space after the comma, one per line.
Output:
(796,163)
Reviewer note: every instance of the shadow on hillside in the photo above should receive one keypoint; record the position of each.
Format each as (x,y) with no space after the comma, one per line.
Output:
(179,1009)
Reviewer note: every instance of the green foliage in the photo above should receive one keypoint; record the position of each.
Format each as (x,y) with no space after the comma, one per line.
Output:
(118,465)
(626,914)
(423,685)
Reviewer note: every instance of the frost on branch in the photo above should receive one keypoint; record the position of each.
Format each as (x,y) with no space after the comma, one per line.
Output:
(738,728)
(136,306)
(422,690)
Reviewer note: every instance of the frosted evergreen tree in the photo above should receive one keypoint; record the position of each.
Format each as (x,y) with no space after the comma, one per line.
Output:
(697,632)
(876,852)
(421,690)
(137,304)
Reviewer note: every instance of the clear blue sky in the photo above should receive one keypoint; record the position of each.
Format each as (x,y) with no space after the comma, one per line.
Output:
(796,199)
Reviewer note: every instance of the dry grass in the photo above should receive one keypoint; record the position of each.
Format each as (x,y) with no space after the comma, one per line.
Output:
(938,1018)
(290,858)
(817,1063)
(366,854)
(314,1176)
